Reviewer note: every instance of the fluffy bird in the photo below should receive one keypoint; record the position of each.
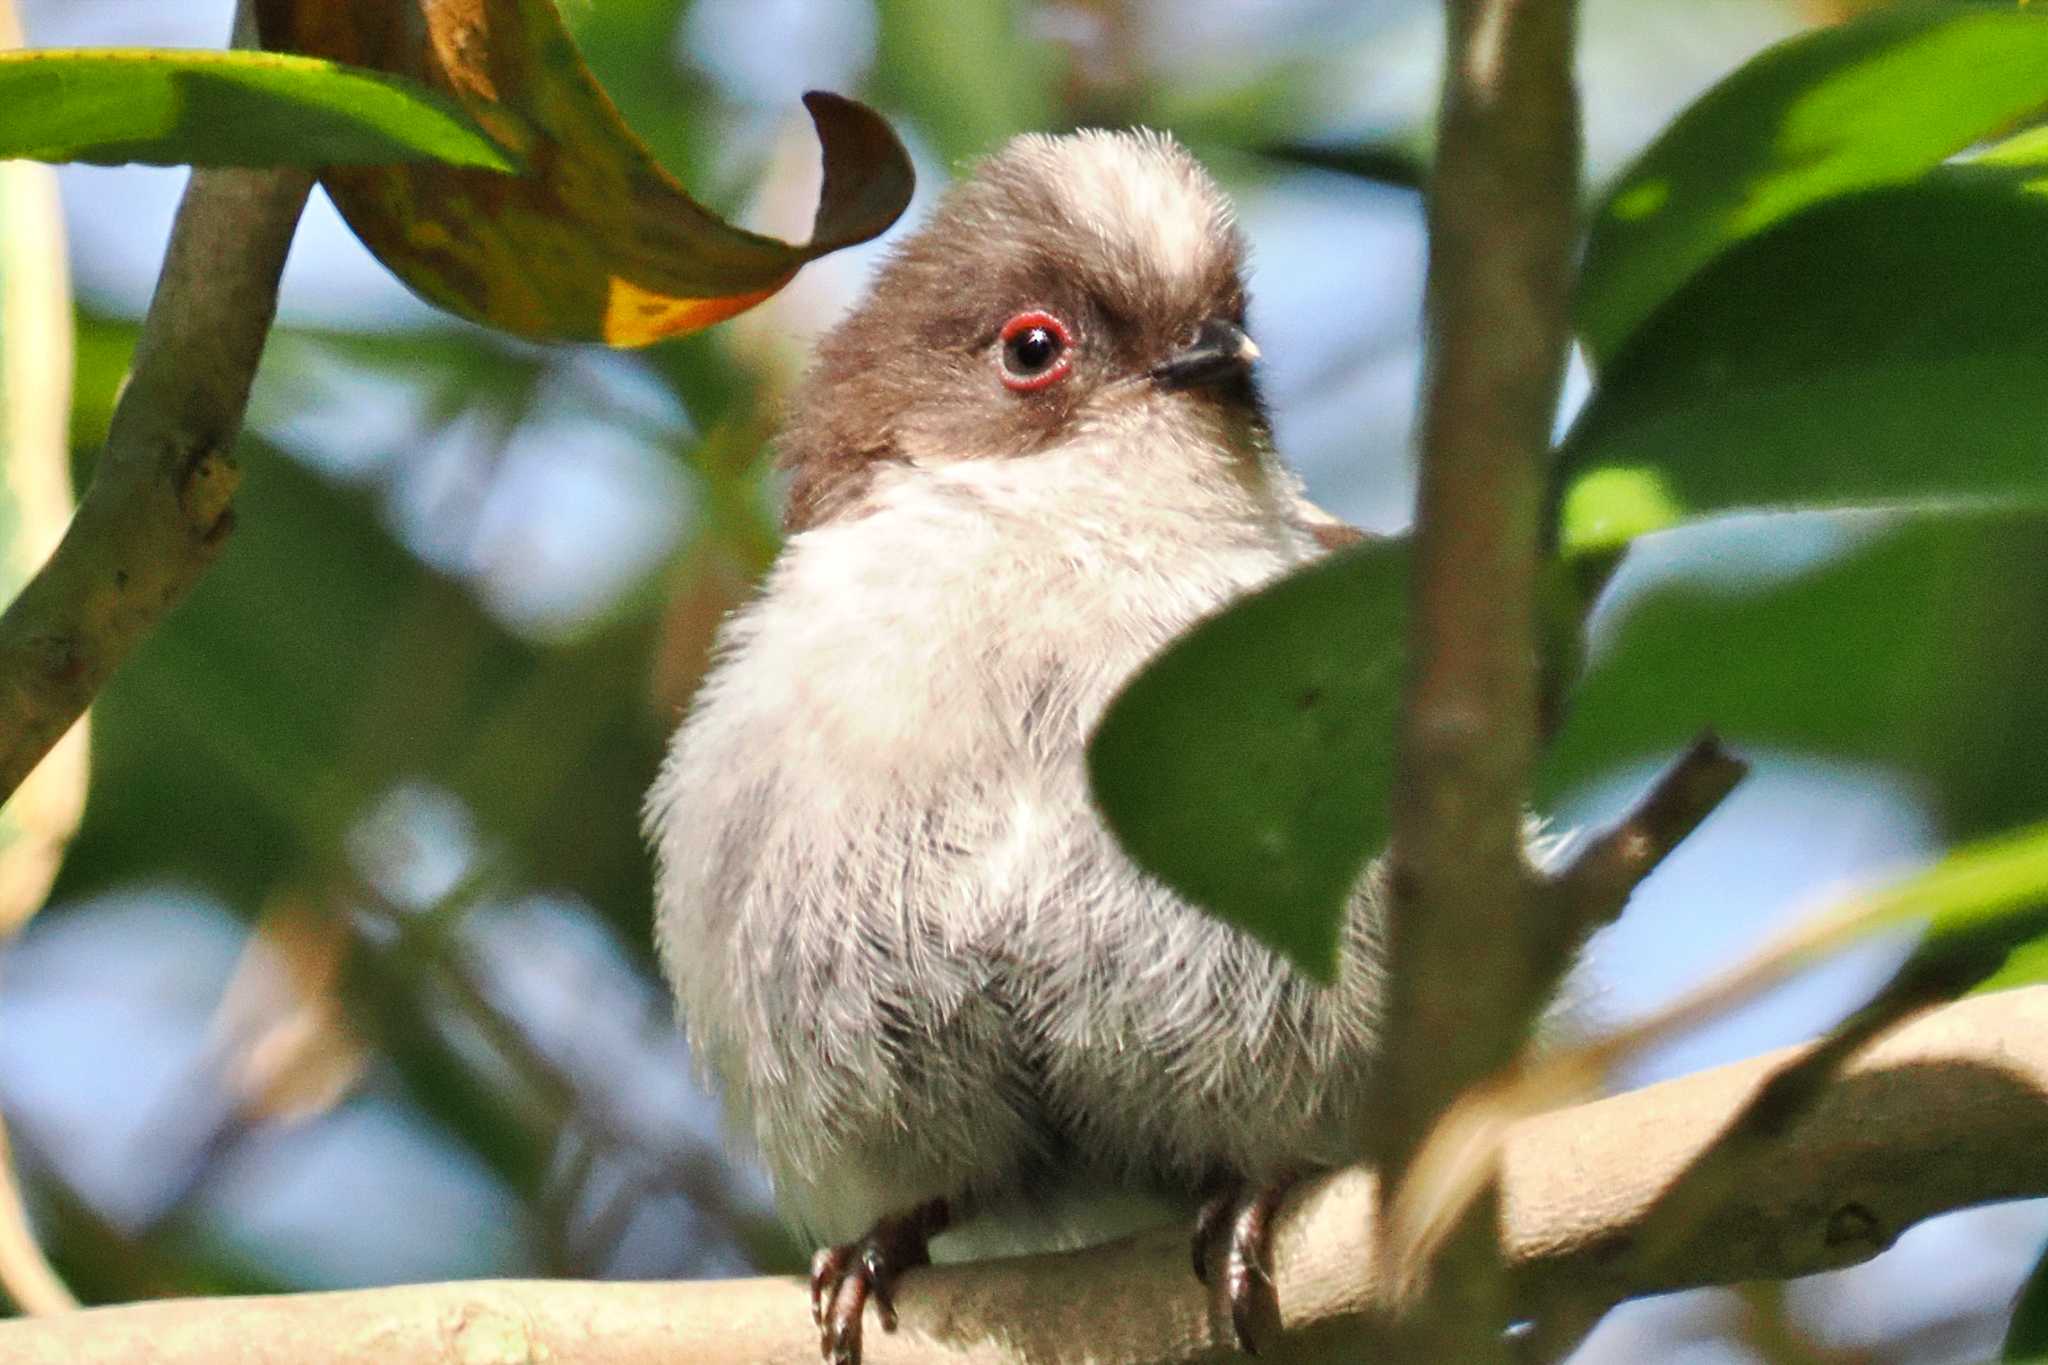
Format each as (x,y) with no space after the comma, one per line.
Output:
(942,1003)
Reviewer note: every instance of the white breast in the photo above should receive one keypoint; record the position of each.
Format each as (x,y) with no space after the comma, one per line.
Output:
(880,792)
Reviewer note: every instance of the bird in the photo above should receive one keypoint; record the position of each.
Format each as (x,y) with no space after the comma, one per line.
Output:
(950,1014)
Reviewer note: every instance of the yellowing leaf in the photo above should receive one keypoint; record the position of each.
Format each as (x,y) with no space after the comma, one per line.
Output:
(595,241)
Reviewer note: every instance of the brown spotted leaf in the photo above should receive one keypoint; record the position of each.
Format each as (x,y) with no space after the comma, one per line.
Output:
(594,241)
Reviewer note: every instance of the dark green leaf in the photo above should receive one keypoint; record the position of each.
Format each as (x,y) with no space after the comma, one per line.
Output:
(1874,102)
(1881,348)
(1248,765)
(225,109)
(2026,1341)
(1918,643)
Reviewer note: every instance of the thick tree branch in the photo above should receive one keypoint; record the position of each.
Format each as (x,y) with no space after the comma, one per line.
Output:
(157,512)
(1949,1111)
(1466,933)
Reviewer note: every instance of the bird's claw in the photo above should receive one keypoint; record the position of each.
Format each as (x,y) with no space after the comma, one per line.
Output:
(1238,1223)
(845,1278)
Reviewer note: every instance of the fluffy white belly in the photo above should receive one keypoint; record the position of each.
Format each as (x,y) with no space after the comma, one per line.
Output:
(904,944)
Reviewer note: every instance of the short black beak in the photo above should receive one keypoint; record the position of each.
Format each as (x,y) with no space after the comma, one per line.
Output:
(1220,351)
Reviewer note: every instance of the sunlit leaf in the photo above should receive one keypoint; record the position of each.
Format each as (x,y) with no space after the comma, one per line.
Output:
(1974,886)
(1248,765)
(1871,103)
(225,109)
(595,241)
(1882,348)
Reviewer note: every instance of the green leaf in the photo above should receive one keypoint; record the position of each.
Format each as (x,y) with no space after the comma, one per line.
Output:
(1983,910)
(633,50)
(1248,765)
(1874,102)
(2026,1341)
(1918,643)
(225,109)
(1883,348)
(2025,965)
(1976,887)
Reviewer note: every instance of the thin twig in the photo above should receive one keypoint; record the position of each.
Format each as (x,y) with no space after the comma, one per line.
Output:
(1590,892)
(683,1164)
(1464,984)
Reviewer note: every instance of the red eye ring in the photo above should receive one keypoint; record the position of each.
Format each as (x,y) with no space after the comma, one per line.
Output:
(1037,351)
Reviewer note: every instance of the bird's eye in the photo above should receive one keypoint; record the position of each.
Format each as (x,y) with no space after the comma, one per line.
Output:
(1037,351)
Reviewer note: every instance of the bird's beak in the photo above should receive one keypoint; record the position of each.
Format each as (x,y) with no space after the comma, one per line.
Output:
(1220,351)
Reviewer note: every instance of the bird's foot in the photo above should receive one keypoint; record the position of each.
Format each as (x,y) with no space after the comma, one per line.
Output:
(845,1277)
(1233,1255)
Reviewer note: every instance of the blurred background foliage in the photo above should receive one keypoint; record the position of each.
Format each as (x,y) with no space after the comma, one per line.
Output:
(346,976)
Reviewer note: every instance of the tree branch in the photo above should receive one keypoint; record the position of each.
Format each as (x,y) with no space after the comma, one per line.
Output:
(158,509)
(1947,1112)
(1590,893)
(1466,932)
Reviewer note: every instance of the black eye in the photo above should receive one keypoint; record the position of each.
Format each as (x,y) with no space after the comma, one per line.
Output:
(1037,351)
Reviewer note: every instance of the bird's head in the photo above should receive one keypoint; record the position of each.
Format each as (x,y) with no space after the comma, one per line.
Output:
(1076,285)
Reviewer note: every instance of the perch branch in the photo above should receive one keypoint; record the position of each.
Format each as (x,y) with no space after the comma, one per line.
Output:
(1945,1112)
(36,354)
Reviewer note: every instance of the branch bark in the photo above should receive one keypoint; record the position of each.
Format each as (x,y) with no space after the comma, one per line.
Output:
(1467,934)
(1590,893)
(1948,1111)
(157,512)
